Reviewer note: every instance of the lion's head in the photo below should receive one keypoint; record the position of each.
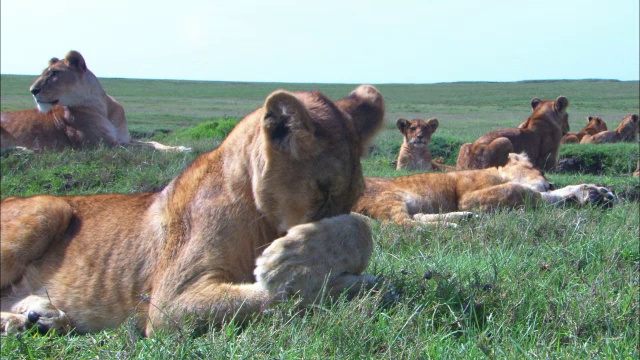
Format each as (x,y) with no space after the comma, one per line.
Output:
(417,132)
(64,82)
(595,124)
(549,111)
(519,169)
(313,148)
(628,128)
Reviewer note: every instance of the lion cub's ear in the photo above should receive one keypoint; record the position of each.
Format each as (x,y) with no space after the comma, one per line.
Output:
(589,118)
(562,103)
(402,124)
(288,126)
(433,124)
(53,60)
(75,60)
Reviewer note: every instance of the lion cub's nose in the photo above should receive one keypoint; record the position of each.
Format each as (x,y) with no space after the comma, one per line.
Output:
(35,90)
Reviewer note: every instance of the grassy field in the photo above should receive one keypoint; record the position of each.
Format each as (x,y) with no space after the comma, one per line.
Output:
(528,283)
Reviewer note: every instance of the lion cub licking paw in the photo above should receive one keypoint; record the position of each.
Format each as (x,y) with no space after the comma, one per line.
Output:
(263,217)
(439,198)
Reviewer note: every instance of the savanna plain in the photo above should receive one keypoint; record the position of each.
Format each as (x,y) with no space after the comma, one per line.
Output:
(545,282)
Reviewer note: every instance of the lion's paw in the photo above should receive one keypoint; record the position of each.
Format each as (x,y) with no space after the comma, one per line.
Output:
(35,311)
(280,267)
(598,195)
(14,323)
(315,256)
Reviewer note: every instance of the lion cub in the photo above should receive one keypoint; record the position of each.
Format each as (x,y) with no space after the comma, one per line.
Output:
(264,216)
(539,137)
(414,151)
(627,131)
(594,125)
(431,198)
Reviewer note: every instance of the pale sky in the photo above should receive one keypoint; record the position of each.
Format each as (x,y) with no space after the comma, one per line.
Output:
(387,41)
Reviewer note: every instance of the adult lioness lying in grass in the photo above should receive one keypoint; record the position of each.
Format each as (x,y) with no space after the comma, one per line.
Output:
(264,216)
(73,111)
(435,197)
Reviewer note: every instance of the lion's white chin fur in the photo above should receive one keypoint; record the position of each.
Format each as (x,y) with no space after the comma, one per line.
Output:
(44,107)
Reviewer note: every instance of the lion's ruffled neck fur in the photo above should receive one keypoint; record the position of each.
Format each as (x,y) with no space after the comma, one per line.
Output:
(226,175)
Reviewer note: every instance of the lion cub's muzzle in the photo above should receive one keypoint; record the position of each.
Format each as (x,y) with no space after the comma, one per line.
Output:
(418,141)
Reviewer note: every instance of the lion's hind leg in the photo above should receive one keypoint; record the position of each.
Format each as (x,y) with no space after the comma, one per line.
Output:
(28,228)
(464,157)
(445,219)
(496,153)
(504,195)
(158,146)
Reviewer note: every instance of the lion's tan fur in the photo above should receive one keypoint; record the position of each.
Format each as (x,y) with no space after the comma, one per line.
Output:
(276,193)
(595,125)
(414,152)
(627,131)
(434,197)
(539,137)
(73,111)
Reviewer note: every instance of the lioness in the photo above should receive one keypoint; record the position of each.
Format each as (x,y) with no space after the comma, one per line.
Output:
(73,111)
(539,137)
(627,131)
(265,215)
(414,151)
(594,125)
(431,198)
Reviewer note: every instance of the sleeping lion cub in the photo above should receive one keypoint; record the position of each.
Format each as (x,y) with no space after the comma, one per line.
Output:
(430,198)
(264,216)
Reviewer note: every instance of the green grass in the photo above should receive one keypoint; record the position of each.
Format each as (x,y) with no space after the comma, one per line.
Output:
(536,283)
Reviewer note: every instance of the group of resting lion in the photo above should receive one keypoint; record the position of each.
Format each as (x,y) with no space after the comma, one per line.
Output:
(264,217)
(540,137)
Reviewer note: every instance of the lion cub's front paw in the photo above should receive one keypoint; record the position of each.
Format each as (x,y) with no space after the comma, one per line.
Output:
(312,256)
